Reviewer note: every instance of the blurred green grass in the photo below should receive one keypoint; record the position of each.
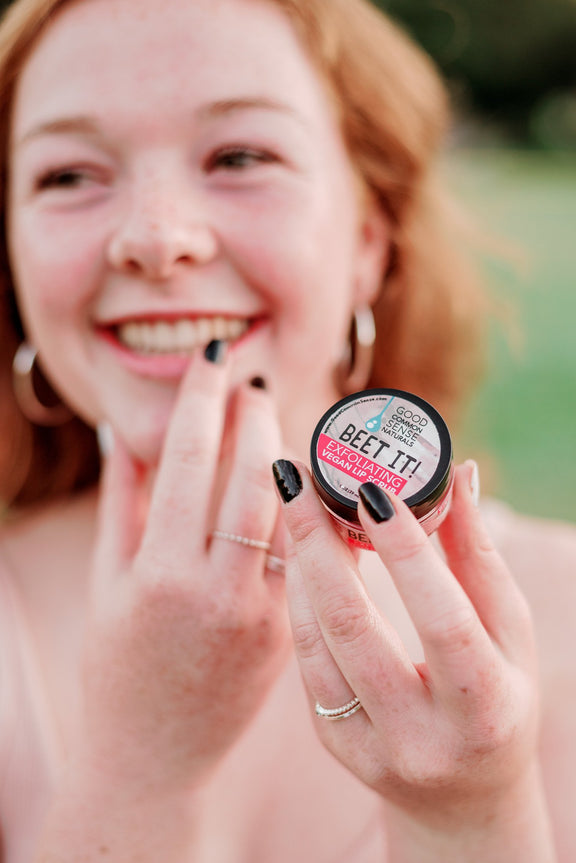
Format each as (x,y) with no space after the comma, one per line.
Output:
(522,424)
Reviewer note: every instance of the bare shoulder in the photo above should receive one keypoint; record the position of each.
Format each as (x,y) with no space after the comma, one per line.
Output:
(542,556)
(45,549)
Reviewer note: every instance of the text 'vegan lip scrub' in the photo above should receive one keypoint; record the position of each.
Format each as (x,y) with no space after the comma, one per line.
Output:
(391,438)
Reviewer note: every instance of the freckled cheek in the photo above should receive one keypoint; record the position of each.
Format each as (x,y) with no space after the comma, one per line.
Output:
(309,297)
(293,261)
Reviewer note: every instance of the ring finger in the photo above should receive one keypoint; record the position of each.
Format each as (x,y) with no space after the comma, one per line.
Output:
(327,687)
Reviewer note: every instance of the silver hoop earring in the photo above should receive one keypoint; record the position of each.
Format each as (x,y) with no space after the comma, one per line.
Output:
(353,370)
(25,378)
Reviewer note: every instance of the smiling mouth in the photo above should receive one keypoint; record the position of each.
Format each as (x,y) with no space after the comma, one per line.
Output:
(180,337)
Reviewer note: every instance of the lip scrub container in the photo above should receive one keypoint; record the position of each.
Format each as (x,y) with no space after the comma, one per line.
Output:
(391,438)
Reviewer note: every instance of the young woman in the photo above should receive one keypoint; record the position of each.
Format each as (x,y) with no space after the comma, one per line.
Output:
(200,197)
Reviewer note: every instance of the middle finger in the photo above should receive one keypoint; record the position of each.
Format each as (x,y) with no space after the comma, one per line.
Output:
(456,645)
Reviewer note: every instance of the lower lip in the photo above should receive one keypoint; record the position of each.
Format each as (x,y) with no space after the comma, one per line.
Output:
(163,366)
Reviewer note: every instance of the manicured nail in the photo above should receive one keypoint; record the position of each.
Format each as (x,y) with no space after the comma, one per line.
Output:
(474,480)
(287,479)
(216,351)
(258,383)
(105,438)
(376,501)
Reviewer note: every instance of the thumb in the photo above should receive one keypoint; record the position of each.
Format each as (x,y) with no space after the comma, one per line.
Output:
(121,509)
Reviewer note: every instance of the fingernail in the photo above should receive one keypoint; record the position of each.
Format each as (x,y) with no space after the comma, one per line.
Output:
(105,438)
(258,383)
(287,479)
(376,501)
(216,351)
(474,480)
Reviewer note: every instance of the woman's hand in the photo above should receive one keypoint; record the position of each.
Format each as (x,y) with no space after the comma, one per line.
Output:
(451,743)
(187,632)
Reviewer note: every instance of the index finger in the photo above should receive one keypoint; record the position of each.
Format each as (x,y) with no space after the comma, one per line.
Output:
(362,642)
(180,503)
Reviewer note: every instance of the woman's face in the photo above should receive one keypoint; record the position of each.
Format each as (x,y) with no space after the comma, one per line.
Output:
(177,175)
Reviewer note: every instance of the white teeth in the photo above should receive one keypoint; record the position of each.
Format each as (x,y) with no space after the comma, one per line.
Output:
(177,337)
(184,334)
(204,332)
(236,329)
(164,336)
(220,328)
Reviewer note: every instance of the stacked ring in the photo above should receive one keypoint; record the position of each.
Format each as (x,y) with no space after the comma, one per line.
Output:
(343,712)
(273,563)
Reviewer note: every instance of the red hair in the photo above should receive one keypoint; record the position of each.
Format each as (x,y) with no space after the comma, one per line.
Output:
(394,112)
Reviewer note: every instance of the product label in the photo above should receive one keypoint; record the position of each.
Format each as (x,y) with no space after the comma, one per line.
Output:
(357,466)
(353,534)
(384,439)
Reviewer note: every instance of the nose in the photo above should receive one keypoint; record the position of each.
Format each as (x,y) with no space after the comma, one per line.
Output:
(158,232)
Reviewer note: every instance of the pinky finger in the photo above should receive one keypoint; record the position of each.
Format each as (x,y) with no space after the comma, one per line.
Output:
(482,572)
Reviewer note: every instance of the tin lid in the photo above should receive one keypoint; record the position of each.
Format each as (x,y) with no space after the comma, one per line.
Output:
(390,437)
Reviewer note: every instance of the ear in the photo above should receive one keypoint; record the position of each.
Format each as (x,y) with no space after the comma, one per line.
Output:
(374,244)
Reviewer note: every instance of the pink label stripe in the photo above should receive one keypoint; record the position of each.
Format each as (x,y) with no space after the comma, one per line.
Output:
(355,465)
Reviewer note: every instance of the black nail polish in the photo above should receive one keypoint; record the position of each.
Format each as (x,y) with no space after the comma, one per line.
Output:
(215,351)
(258,383)
(376,501)
(287,479)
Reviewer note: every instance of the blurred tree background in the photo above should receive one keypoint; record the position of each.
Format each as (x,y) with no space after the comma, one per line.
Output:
(511,69)
(510,62)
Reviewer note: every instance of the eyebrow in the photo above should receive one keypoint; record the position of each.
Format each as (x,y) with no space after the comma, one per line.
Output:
(222,107)
(66,125)
(85,125)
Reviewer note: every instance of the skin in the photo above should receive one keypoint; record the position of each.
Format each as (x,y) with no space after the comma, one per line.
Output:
(182,680)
